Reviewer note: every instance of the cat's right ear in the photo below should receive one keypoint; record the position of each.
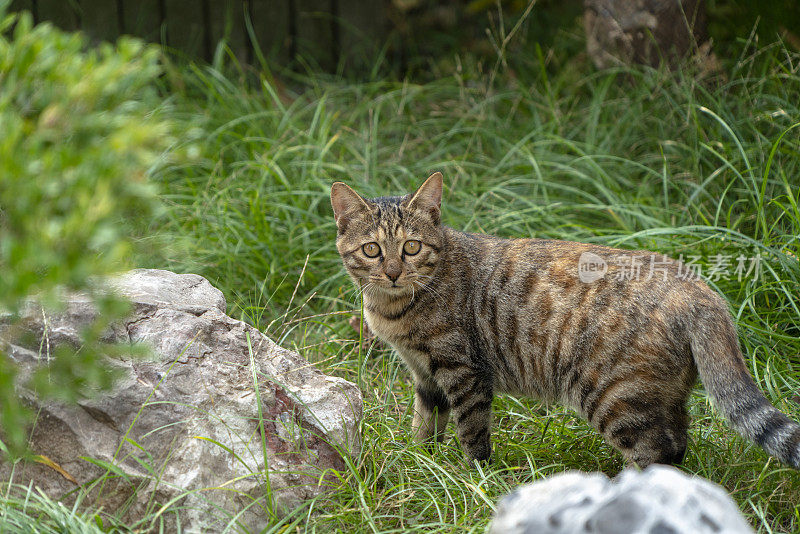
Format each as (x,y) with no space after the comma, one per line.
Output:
(346,204)
(428,198)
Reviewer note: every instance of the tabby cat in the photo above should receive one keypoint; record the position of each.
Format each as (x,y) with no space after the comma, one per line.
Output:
(474,314)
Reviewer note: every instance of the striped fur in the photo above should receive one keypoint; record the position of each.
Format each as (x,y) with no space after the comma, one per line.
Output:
(472,315)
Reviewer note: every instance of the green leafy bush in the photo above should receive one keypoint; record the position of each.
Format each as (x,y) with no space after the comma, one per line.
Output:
(80,128)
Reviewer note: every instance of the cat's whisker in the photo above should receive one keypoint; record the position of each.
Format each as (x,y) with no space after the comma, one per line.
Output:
(361,291)
(427,286)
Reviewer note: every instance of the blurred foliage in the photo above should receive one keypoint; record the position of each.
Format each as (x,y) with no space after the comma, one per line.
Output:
(431,37)
(733,21)
(80,131)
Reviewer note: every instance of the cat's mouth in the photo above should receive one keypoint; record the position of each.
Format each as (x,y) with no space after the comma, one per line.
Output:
(394,288)
(391,288)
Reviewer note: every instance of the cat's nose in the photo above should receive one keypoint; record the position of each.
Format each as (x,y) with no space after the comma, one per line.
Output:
(393,270)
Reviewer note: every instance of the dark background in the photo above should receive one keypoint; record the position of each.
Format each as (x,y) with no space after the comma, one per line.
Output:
(356,38)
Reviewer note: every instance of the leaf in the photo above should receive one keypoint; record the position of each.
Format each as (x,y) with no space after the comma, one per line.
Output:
(42,459)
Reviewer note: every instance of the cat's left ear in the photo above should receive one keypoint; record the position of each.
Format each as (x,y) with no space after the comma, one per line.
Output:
(346,204)
(428,198)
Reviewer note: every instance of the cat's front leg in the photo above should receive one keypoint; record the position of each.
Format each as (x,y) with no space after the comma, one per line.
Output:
(431,411)
(470,394)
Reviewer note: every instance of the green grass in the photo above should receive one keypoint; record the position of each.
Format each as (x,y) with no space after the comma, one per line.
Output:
(635,158)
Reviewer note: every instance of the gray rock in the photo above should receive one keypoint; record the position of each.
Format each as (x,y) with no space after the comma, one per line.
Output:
(183,427)
(658,500)
(622,32)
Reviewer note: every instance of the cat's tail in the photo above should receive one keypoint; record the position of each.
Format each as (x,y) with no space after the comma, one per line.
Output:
(725,375)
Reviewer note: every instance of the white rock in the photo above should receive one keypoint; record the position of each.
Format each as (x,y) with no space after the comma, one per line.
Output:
(658,500)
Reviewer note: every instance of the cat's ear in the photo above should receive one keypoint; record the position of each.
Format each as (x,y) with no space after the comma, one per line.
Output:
(346,204)
(428,198)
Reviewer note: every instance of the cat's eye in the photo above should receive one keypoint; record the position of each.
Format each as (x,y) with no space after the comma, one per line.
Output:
(371,250)
(412,246)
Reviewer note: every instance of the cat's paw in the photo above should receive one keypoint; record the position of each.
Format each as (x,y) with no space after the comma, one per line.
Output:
(480,456)
(479,463)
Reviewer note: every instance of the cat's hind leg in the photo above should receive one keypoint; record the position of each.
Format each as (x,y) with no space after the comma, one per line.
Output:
(648,437)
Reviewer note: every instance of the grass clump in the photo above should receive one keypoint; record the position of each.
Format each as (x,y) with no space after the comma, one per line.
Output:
(21,504)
